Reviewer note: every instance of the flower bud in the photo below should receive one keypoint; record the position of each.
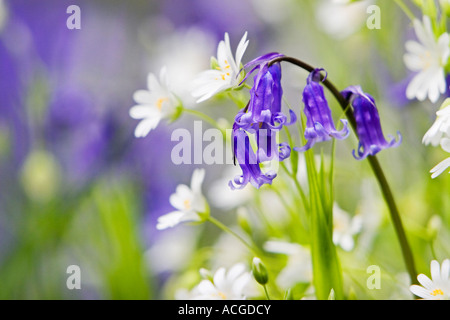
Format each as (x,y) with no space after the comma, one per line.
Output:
(259,271)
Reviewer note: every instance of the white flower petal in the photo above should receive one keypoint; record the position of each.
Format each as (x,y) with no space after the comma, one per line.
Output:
(242,46)
(145,126)
(219,278)
(206,287)
(413,62)
(143,111)
(427,58)
(435,270)
(197,179)
(235,272)
(346,242)
(415,48)
(445,144)
(169,220)
(143,97)
(239,285)
(414,85)
(182,195)
(420,292)
(228,53)
(439,168)
(425,281)
(153,83)
(434,134)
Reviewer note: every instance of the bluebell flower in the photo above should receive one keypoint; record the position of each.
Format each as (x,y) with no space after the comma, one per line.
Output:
(247,159)
(319,123)
(265,96)
(262,117)
(368,127)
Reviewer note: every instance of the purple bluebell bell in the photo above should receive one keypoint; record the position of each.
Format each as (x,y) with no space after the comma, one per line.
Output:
(319,122)
(368,126)
(247,159)
(263,118)
(265,96)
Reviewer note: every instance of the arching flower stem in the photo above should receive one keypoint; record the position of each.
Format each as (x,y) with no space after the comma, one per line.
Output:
(374,164)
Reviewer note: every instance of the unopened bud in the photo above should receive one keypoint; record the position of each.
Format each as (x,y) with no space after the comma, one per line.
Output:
(259,271)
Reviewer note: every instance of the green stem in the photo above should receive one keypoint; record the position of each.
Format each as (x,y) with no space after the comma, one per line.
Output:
(375,166)
(204,117)
(405,9)
(223,227)
(266,292)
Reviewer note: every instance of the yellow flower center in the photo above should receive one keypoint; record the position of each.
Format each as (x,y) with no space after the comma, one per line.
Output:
(225,70)
(222,295)
(437,292)
(427,58)
(187,204)
(160,101)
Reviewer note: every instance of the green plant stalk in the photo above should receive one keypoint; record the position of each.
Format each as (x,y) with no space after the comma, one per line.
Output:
(405,9)
(376,168)
(204,117)
(255,251)
(266,292)
(327,273)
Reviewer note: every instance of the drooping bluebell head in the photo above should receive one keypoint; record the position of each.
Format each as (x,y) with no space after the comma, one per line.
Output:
(263,118)
(265,96)
(249,163)
(319,123)
(368,126)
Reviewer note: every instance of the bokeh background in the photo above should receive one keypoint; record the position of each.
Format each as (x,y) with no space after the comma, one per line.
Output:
(76,187)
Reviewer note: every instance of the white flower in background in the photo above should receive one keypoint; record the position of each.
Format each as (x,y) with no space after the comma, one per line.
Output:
(427,57)
(443,165)
(225,76)
(221,195)
(176,246)
(440,127)
(299,264)
(344,228)
(224,285)
(341,18)
(183,65)
(368,209)
(189,202)
(439,134)
(153,104)
(436,288)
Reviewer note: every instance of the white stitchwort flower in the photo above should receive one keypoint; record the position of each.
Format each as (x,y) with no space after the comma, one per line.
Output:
(224,285)
(190,203)
(440,127)
(439,134)
(226,72)
(299,264)
(344,228)
(436,288)
(428,58)
(154,104)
